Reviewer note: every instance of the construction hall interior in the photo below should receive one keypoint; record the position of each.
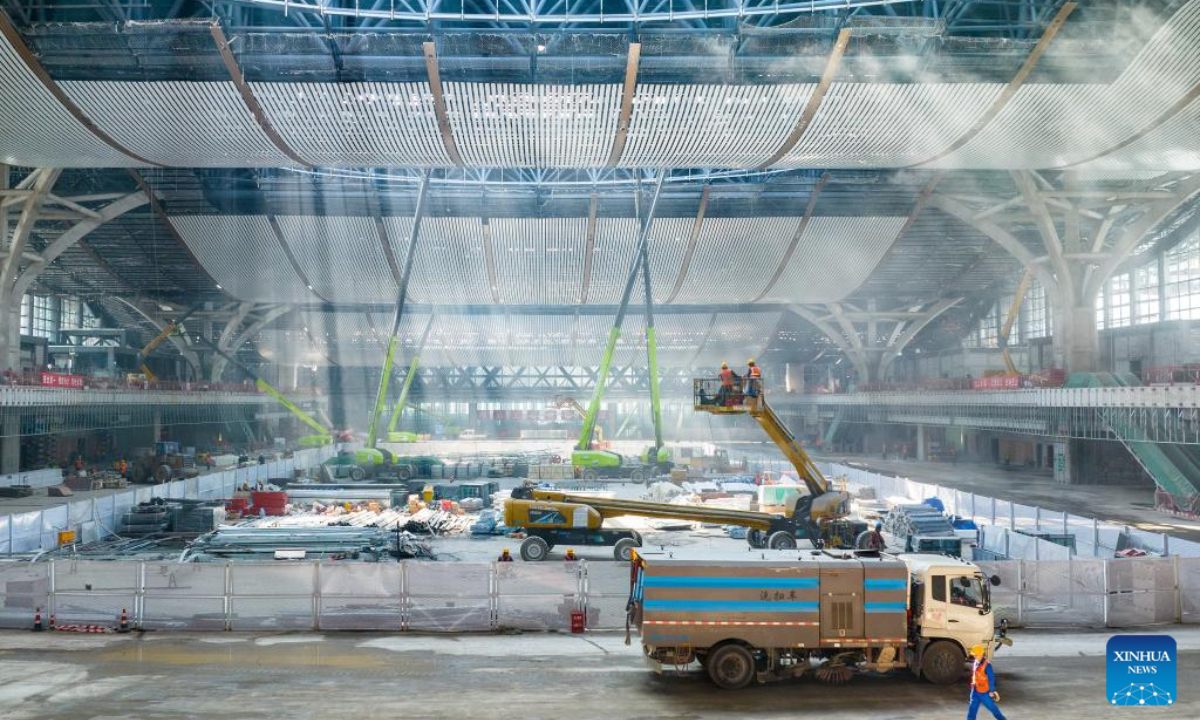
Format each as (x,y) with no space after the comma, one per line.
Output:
(599,358)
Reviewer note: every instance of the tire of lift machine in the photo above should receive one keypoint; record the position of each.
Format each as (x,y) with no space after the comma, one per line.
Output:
(534,549)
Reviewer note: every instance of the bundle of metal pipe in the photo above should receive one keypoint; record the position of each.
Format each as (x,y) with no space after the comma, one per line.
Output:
(909,520)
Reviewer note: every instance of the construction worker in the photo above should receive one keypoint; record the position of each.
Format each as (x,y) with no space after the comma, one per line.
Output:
(505,556)
(983,685)
(123,467)
(728,378)
(874,539)
(753,379)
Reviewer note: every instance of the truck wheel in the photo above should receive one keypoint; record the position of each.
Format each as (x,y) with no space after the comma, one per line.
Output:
(730,667)
(357,474)
(637,476)
(781,540)
(591,475)
(623,550)
(534,549)
(757,538)
(405,473)
(943,663)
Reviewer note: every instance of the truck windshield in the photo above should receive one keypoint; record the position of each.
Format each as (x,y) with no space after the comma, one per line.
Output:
(968,591)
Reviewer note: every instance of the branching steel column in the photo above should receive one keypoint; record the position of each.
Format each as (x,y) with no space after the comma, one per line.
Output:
(381,396)
(589,422)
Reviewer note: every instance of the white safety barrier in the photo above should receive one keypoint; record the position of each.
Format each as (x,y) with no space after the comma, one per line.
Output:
(95,518)
(464,597)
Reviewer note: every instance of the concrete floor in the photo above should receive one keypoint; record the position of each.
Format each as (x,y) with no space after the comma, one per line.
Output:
(1044,676)
(1123,504)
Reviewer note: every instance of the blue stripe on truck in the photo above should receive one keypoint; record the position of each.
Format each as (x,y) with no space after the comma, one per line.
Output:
(690,581)
(727,606)
(882,607)
(897,584)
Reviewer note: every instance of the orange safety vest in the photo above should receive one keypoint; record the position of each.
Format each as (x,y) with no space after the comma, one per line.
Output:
(979,679)
(754,372)
(727,377)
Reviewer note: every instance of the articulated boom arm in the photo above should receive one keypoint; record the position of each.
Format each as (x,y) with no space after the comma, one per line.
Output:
(805,467)
(295,409)
(610,508)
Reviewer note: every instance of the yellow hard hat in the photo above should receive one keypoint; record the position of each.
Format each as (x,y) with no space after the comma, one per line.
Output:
(977,651)
(750,361)
(724,364)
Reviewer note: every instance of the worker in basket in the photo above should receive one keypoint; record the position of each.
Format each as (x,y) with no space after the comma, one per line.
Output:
(983,685)
(729,380)
(753,381)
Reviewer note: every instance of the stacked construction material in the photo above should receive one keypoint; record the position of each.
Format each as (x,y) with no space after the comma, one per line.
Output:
(920,520)
(263,543)
(146,518)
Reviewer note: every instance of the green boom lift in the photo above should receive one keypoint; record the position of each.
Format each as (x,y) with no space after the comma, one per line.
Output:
(371,457)
(392,434)
(594,462)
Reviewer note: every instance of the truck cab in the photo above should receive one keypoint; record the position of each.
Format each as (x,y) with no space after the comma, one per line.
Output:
(951,611)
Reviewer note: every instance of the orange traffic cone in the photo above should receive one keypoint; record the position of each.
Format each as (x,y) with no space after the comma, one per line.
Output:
(124,626)
(37,621)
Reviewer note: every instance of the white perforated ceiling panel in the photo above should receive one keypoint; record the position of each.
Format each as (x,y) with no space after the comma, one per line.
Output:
(525,125)
(538,261)
(540,340)
(356,124)
(450,267)
(889,125)
(1171,146)
(711,125)
(1051,125)
(611,259)
(341,256)
(737,337)
(37,131)
(834,257)
(735,258)
(242,253)
(192,124)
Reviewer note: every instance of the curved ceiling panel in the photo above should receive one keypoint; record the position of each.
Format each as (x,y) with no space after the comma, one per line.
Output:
(1053,125)
(737,337)
(341,256)
(243,254)
(189,124)
(711,125)
(538,261)
(37,131)
(889,125)
(616,239)
(1171,146)
(450,267)
(521,125)
(1042,126)
(834,257)
(356,124)
(751,246)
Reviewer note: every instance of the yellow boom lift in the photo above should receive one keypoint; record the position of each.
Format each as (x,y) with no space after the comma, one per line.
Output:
(550,517)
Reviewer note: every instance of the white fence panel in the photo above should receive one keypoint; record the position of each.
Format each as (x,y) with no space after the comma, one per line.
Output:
(189,596)
(361,596)
(272,596)
(537,596)
(24,587)
(94,592)
(1141,591)
(449,597)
